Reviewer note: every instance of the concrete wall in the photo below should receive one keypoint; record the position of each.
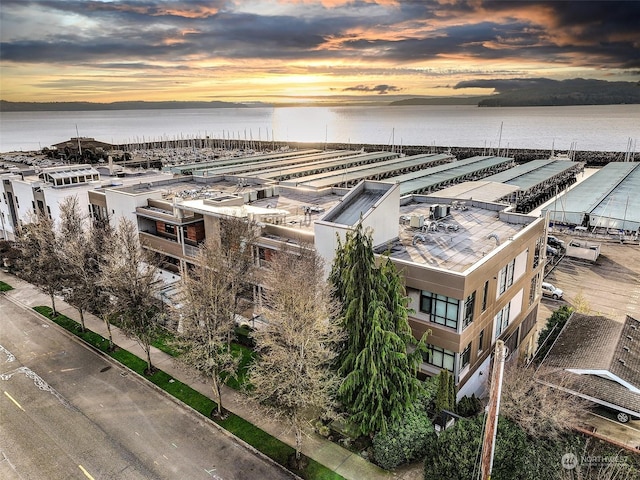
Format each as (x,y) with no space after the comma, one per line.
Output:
(122,204)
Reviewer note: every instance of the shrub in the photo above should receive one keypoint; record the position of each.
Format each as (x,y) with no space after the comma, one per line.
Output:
(469,406)
(455,452)
(404,441)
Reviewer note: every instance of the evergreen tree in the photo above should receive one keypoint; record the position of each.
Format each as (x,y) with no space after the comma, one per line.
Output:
(379,371)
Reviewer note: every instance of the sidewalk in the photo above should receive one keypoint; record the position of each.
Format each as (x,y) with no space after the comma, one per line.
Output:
(347,464)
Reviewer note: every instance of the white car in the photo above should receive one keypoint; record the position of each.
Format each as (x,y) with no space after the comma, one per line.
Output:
(549,290)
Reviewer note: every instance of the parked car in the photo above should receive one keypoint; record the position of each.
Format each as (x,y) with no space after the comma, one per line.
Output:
(555,242)
(551,250)
(622,417)
(549,290)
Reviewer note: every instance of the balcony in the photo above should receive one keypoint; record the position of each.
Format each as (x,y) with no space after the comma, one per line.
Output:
(161,244)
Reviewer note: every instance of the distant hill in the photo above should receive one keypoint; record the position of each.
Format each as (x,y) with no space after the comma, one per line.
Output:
(439,101)
(6,106)
(530,92)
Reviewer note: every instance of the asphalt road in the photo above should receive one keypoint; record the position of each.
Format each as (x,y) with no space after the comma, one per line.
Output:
(66,412)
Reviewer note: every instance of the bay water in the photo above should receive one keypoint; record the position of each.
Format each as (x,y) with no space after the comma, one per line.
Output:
(591,128)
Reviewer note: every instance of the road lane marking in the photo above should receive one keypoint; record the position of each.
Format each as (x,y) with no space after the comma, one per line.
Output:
(86,474)
(14,400)
(165,457)
(176,446)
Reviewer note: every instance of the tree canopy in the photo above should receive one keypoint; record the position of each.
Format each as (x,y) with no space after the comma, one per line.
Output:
(380,356)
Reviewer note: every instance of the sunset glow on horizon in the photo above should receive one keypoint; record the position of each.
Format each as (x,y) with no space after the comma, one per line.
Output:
(295,51)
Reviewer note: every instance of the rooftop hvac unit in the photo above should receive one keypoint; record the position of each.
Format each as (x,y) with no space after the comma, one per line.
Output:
(417,221)
(253,196)
(441,211)
(268,192)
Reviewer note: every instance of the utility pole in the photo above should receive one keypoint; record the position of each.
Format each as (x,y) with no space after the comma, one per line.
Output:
(491,427)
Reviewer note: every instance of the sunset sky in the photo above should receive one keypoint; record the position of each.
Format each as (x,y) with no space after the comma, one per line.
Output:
(304,50)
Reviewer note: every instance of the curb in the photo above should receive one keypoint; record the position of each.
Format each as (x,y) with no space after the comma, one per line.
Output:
(142,380)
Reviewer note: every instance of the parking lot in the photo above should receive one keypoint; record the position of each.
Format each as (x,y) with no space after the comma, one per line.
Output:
(609,287)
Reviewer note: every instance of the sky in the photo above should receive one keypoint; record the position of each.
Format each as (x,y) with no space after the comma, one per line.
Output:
(282,51)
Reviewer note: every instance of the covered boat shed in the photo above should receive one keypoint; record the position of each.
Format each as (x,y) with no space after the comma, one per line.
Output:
(537,181)
(607,200)
(437,178)
(349,177)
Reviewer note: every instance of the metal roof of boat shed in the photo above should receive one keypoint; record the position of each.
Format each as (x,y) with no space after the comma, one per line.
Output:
(533,173)
(610,198)
(434,178)
(264,164)
(188,168)
(276,173)
(376,171)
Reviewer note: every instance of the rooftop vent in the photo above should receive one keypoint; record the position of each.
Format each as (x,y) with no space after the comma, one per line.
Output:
(417,237)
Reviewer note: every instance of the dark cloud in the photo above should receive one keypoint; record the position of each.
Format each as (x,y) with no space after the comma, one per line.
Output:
(597,34)
(379,89)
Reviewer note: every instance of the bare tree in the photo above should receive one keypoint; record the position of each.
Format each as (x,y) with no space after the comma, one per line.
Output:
(75,257)
(132,279)
(40,256)
(211,296)
(293,377)
(540,410)
(101,244)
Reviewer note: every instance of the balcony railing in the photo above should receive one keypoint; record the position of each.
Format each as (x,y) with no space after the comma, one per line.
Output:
(161,244)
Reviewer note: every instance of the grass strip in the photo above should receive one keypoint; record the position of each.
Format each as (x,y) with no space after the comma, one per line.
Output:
(246,431)
(5,287)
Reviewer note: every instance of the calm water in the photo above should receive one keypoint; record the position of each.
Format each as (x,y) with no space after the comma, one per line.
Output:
(599,128)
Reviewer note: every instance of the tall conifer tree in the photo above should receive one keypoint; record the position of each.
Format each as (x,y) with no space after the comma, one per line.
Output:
(380,382)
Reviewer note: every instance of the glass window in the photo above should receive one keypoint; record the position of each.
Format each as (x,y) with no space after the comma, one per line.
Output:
(481,342)
(466,356)
(441,357)
(440,308)
(502,319)
(485,295)
(469,305)
(506,276)
(170,229)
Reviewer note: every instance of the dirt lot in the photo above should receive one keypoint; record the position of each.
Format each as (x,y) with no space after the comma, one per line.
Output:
(609,287)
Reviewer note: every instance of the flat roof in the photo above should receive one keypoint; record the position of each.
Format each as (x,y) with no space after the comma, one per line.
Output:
(303,206)
(459,241)
(483,190)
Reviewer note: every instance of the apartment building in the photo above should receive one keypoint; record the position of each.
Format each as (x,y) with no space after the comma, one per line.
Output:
(24,193)
(472,268)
